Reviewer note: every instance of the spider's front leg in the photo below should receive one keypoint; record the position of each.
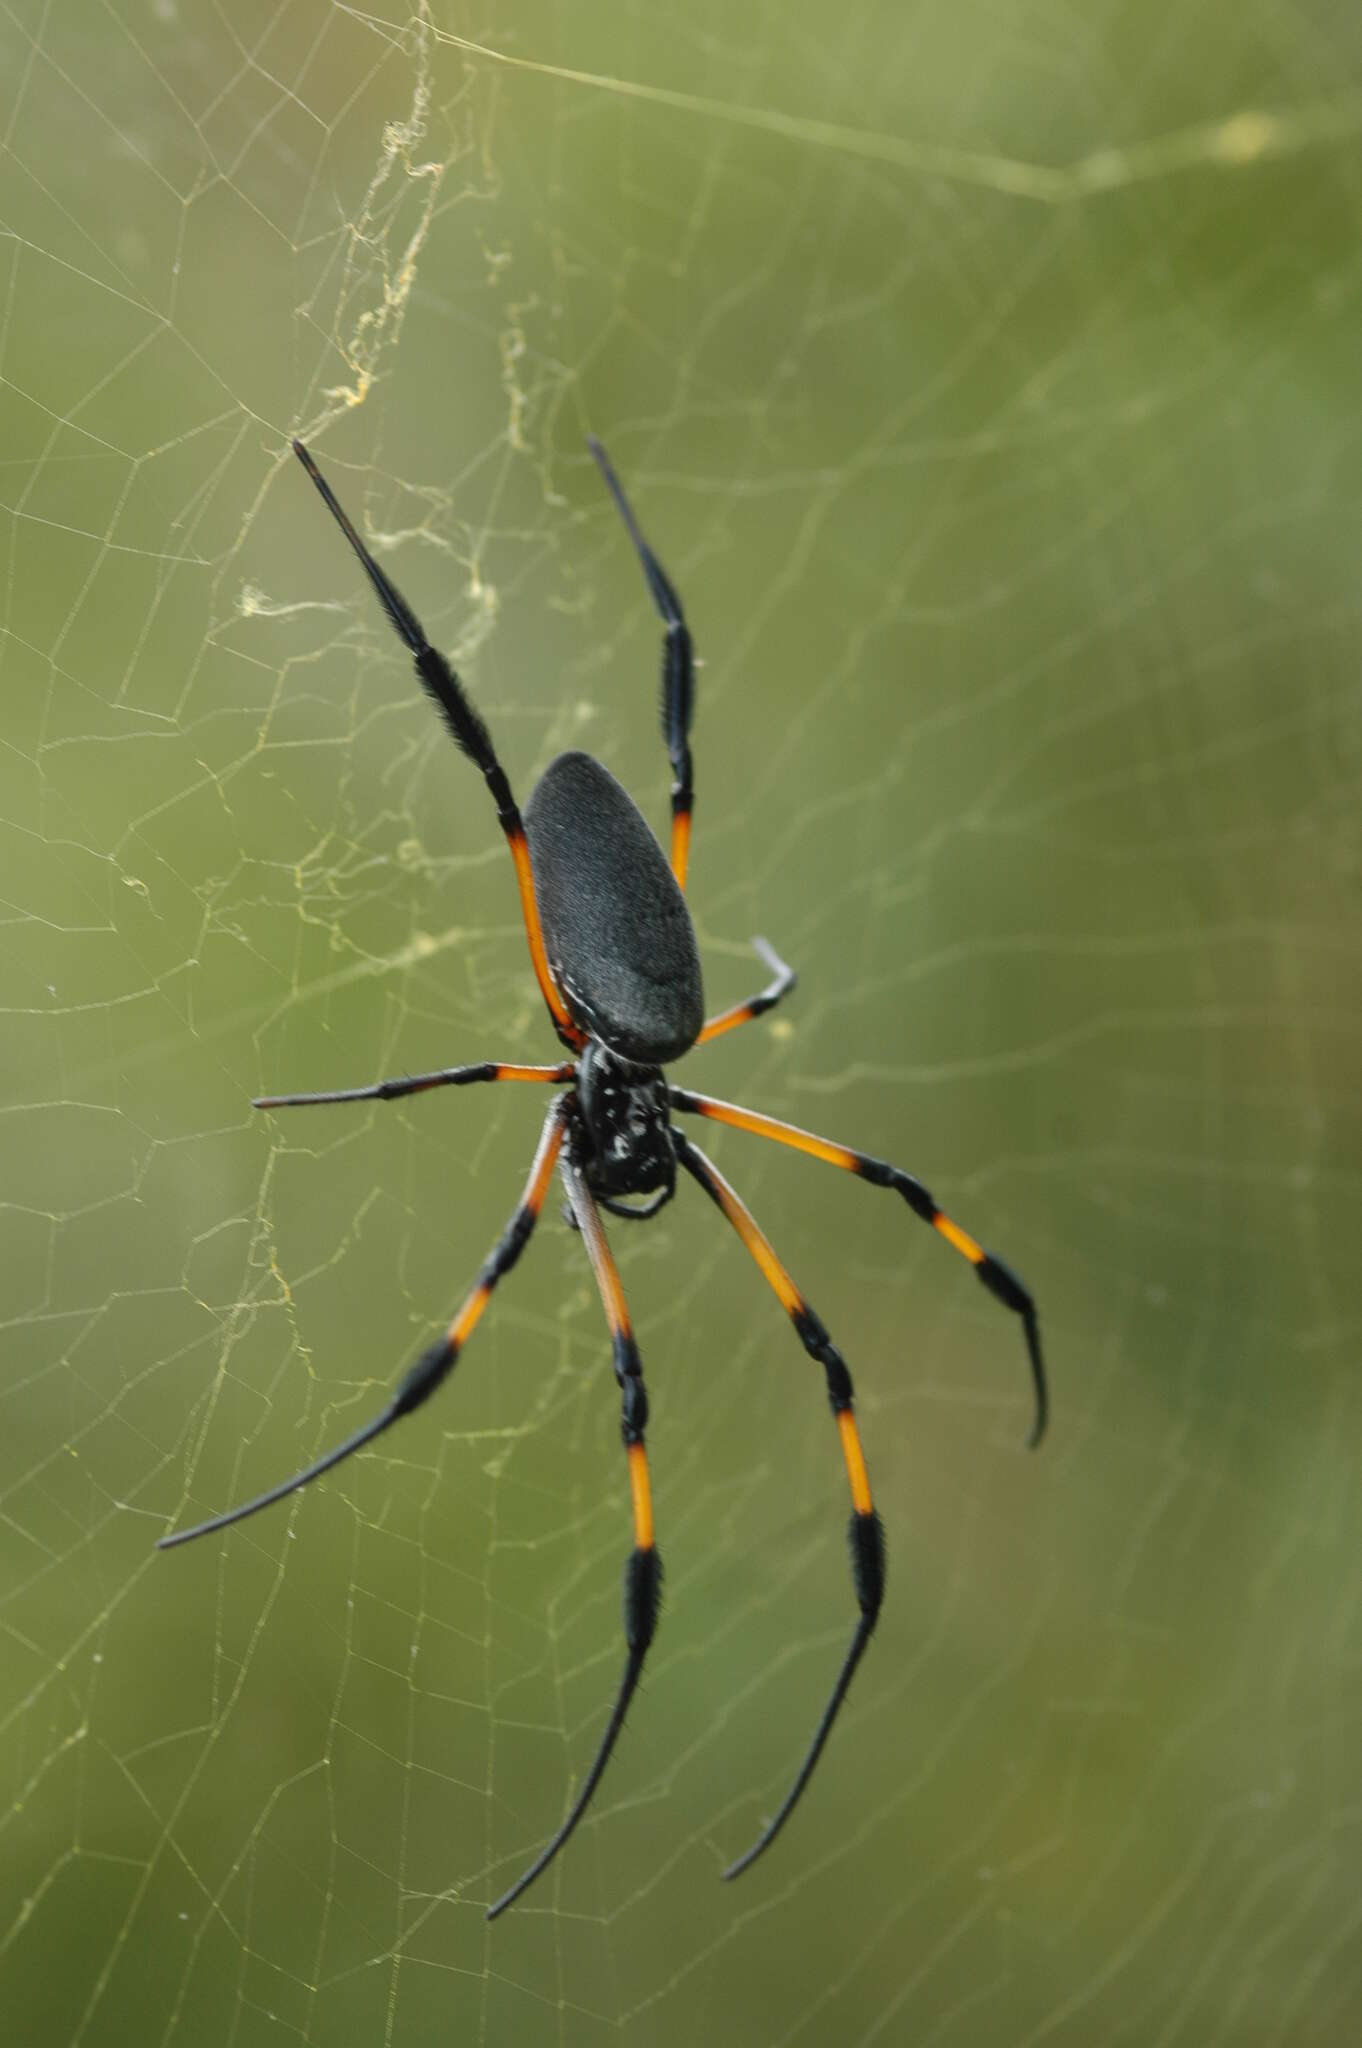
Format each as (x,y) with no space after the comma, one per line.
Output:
(1001,1282)
(643,1569)
(866,1531)
(438,1360)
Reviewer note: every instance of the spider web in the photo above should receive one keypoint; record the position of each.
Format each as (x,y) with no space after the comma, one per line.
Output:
(987,378)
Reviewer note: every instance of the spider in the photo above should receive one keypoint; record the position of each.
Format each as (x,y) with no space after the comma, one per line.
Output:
(614,952)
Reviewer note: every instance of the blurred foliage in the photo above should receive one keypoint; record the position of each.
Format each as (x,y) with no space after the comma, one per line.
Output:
(987,381)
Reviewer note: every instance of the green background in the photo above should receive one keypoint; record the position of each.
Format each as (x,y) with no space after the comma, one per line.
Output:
(987,378)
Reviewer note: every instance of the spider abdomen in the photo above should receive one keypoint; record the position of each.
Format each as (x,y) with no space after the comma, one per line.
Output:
(619,937)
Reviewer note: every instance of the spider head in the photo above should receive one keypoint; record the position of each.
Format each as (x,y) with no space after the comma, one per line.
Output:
(624,1109)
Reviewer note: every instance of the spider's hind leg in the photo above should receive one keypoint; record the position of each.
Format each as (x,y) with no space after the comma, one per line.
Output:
(678,669)
(468,729)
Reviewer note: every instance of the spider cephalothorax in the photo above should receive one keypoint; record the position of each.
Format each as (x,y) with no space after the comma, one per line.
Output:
(613,949)
(625,1119)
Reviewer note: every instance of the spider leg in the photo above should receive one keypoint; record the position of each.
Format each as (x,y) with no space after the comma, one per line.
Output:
(643,1569)
(1002,1283)
(416,1084)
(866,1531)
(469,733)
(438,1360)
(678,669)
(758,1005)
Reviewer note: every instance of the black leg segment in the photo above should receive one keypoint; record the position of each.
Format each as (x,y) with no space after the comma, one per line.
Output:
(469,733)
(643,1568)
(1001,1282)
(438,1360)
(866,1531)
(417,1084)
(678,669)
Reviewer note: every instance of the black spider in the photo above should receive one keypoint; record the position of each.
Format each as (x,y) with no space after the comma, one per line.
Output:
(614,951)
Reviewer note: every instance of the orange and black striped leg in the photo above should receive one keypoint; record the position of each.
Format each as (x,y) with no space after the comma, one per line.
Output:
(1001,1282)
(678,670)
(643,1571)
(470,735)
(437,1362)
(866,1531)
(416,1084)
(755,1006)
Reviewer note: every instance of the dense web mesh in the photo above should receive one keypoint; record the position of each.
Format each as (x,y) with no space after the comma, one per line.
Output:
(987,380)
